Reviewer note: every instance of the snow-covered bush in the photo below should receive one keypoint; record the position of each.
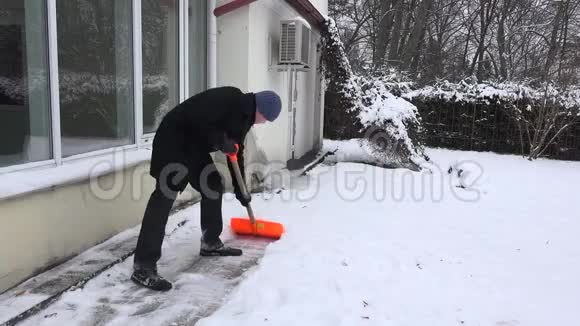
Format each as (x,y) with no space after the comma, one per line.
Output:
(364,107)
(396,82)
(343,95)
(484,115)
(391,124)
(12,89)
(467,91)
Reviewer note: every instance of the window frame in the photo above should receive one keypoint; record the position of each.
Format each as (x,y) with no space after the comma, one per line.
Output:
(141,139)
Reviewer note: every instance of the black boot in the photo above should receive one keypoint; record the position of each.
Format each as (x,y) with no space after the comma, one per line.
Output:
(147,276)
(217,248)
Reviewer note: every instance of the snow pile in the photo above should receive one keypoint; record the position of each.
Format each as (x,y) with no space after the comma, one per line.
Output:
(467,91)
(351,150)
(364,107)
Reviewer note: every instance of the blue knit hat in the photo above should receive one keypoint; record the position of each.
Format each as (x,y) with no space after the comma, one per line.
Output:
(268,103)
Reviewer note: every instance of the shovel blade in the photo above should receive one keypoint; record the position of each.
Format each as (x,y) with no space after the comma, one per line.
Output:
(262,228)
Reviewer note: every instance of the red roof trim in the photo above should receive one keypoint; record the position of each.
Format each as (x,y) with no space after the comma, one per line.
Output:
(304,7)
(231,6)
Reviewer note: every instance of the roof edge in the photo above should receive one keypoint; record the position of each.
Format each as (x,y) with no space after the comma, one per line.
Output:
(231,6)
(304,7)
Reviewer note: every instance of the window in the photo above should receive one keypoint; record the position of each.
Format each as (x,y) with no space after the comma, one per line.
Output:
(95,74)
(24,92)
(160,28)
(67,74)
(197,46)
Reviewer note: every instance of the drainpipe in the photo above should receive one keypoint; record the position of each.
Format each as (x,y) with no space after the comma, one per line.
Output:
(211,45)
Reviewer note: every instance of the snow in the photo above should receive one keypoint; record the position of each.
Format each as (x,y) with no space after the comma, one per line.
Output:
(385,106)
(475,239)
(27,181)
(303,21)
(503,251)
(112,299)
(352,150)
(41,287)
(487,93)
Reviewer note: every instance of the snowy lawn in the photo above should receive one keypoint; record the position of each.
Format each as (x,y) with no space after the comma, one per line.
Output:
(497,245)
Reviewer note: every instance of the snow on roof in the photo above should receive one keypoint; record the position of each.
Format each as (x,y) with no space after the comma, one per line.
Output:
(303,21)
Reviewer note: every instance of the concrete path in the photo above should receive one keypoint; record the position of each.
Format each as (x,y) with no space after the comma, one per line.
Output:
(94,288)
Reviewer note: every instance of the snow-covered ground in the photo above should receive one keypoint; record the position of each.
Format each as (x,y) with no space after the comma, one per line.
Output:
(480,239)
(497,246)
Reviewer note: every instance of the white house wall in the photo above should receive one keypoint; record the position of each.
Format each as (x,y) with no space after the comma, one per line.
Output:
(307,106)
(308,134)
(232,49)
(58,223)
(247,45)
(264,32)
(264,27)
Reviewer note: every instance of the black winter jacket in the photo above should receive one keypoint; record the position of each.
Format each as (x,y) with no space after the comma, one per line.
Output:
(198,126)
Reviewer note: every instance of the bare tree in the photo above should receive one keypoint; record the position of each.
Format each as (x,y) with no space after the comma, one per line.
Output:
(542,123)
(536,40)
(384,26)
(412,46)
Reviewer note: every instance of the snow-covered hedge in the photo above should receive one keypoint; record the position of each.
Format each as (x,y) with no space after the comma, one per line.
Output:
(505,93)
(364,107)
(76,86)
(508,117)
(11,88)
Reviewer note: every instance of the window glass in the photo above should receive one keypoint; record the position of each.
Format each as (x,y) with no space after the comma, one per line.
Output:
(24,92)
(95,63)
(197,46)
(160,36)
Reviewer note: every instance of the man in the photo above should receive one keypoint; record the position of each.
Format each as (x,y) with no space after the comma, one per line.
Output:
(216,119)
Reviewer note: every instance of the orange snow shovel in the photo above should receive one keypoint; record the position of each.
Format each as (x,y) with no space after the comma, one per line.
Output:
(251,226)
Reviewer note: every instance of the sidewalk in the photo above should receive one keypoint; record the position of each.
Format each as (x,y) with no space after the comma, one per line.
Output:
(40,291)
(94,288)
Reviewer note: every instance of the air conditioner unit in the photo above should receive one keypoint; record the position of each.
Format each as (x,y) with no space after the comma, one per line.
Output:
(294,43)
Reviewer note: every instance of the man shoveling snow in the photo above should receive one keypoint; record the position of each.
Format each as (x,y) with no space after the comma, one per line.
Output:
(214,120)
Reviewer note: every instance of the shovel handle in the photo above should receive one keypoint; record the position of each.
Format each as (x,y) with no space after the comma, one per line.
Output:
(233,157)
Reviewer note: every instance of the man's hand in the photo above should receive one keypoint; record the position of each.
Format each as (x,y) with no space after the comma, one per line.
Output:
(228,146)
(243,200)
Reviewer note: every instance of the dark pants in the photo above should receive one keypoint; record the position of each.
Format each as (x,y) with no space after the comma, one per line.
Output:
(203,177)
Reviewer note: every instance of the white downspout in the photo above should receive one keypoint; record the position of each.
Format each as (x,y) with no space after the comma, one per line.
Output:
(211,45)
(290,112)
